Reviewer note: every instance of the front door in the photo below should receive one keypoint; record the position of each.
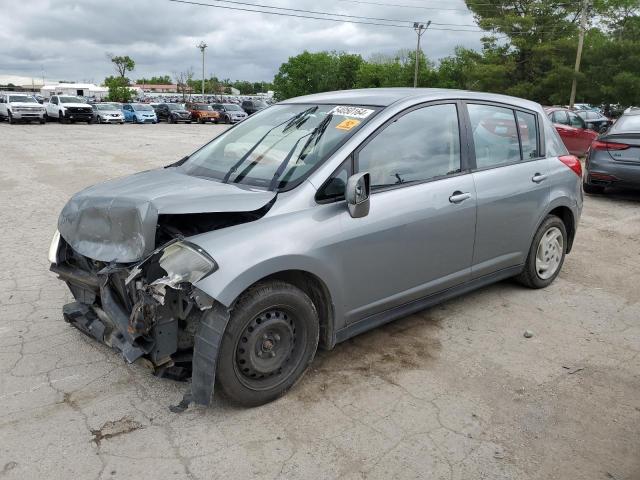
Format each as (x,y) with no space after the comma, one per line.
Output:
(511,184)
(418,236)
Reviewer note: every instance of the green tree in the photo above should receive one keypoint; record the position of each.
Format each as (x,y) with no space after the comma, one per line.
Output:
(316,72)
(119,90)
(122,64)
(162,80)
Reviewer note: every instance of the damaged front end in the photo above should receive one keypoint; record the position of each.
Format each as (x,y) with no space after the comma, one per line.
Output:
(149,311)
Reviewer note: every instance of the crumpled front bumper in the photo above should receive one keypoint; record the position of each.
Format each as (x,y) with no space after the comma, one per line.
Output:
(174,330)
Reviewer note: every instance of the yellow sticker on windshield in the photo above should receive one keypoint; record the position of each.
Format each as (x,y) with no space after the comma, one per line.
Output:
(348,124)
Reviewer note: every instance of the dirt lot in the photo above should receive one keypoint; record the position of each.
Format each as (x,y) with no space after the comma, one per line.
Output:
(455,392)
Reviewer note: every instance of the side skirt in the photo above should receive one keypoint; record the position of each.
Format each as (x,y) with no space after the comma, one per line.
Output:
(414,306)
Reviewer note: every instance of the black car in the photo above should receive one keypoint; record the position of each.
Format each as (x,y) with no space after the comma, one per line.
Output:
(595,121)
(253,106)
(172,112)
(614,157)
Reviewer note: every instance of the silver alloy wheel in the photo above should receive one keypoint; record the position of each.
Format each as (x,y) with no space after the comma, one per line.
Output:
(549,253)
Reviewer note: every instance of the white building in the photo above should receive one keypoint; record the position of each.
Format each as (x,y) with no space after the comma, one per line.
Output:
(76,89)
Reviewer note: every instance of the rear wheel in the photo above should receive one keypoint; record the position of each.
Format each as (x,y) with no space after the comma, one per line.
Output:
(546,254)
(270,341)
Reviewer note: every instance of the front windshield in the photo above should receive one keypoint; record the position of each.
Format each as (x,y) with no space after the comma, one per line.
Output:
(279,146)
(70,100)
(107,106)
(175,106)
(231,107)
(139,107)
(22,98)
(202,107)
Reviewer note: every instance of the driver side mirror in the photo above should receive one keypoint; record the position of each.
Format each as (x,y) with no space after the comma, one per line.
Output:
(357,194)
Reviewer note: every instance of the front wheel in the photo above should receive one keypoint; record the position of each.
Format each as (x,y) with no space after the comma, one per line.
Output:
(11,119)
(270,341)
(546,254)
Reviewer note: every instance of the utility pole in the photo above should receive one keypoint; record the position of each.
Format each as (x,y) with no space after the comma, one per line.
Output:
(420,28)
(202,46)
(583,27)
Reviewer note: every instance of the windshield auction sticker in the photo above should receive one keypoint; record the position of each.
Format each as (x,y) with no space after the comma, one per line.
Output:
(348,124)
(353,112)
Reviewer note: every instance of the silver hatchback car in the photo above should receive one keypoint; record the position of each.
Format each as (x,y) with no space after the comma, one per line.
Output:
(310,222)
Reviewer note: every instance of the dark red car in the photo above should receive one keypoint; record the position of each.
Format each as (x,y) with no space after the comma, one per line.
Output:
(572,129)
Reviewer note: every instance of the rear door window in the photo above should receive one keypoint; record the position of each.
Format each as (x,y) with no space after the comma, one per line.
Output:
(421,145)
(560,116)
(495,135)
(575,120)
(528,128)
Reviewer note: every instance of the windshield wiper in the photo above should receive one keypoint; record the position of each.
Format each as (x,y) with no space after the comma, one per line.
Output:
(316,133)
(290,122)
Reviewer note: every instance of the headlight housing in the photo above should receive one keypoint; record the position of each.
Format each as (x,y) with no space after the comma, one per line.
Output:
(53,248)
(186,262)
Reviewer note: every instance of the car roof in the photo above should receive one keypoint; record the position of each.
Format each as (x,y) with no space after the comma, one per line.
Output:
(383,97)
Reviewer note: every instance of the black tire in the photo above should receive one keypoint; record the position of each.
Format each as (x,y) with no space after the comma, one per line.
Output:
(171,119)
(42,121)
(11,119)
(592,189)
(530,277)
(46,117)
(61,118)
(269,342)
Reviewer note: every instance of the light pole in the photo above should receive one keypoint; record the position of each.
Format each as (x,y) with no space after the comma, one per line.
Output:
(420,28)
(202,46)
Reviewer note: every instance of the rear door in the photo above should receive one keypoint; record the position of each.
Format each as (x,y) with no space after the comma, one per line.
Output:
(583,135)
(510,174)
(418,236)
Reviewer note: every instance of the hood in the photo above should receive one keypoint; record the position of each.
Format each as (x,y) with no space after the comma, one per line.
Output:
(25,104)
(110,112)
(83,105)
(116,221)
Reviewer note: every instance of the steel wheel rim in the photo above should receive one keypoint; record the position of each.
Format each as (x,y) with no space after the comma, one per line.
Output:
(549,253)
(269,349)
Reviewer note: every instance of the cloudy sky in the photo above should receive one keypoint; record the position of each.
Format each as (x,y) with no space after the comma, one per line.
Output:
(69,39)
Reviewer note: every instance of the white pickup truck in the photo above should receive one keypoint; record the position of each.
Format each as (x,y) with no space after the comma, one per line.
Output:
(15,107)
(67,108)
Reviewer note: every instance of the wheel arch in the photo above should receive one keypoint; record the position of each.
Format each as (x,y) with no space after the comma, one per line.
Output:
(318,292)
(566,215)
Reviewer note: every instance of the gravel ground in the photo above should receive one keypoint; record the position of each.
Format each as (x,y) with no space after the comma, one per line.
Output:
(455,392)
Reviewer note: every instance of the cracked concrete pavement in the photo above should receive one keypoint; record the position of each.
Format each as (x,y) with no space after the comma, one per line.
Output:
(454,392)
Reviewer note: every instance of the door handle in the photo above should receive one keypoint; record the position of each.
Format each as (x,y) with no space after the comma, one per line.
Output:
(459,197)
(538,177)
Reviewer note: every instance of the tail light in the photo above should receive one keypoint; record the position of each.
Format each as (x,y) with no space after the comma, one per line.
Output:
(600,145)
(573,163)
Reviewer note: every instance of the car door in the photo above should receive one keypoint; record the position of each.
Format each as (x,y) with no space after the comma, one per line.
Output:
(3,106)
(52,107)
(510,175)
(583,135)
(418,236)
(128,112)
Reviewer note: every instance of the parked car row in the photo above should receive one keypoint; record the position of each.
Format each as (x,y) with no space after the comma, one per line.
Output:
(66,109)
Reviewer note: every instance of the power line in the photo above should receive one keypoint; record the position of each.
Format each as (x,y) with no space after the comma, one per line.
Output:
(395,25)
(360,17)
(310,14)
